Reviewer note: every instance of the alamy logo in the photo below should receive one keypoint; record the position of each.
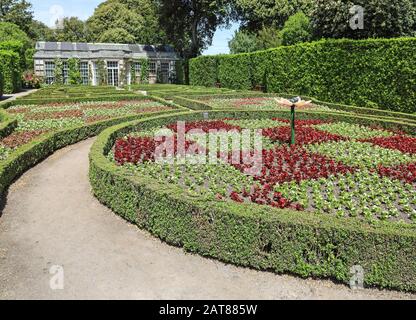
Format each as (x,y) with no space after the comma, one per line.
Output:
(357,20)
(57,281)
(357,279)
(197,146)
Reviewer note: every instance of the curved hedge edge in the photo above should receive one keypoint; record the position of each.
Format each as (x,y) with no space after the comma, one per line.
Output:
(250,235)
(191,104)
(360,110)
(26,156)
(168,103)
(7,124)
(72,100)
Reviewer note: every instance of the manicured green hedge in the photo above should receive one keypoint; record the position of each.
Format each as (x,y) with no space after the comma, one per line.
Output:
(203,71)
(10,62)
(191,103)
(75,99)
(366,73)
(250,235)
(7,123)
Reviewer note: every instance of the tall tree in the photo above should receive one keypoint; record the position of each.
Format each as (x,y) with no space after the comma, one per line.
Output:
(243,42)
(297,29)
(190,24)
(381,18)
(17,12)
(40,32)
(256,14)
(72,29)
(137,18)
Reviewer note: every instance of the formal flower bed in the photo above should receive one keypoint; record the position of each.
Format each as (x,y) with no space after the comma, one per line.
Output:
(35,120)
(336,168)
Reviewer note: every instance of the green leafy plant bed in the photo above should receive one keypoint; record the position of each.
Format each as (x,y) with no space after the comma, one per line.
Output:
(343,196)
(29,133)
(35,120)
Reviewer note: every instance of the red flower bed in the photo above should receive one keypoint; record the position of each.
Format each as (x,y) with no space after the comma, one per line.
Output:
(18,111)
(404,172)
(284,164)
(20,138)
(97,118)
(143,149)
(401,143)
(264,196)
(54,115)
(249,101)
(304,135)
(206,126)
(153,109)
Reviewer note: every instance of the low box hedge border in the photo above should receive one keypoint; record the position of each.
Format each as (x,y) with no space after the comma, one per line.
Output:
(7,123)
(261,237)
(38,101)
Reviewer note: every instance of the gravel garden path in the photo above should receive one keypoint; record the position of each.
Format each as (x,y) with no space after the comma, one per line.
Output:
(51,218)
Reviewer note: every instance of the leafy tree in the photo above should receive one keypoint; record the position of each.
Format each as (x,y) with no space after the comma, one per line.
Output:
(117,35)
(73,30)
(16,12)
(137,18)
(256,14)
(12,38)
(190,24)
(382,18)
(297,29)
(243,42)
(40,32)
(268,37)
(10,31)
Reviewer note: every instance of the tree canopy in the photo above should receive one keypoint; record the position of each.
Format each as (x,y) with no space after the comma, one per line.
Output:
(10,31)
(17,12)
(382,18)
(137,20)
(256,14)
(73,30)
(243,42)
(190,24)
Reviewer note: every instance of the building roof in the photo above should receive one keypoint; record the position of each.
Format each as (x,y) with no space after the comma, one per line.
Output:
(66,50)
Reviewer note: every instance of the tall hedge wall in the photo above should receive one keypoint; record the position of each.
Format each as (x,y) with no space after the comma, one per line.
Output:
(376,73)
(10,62)
(203,71)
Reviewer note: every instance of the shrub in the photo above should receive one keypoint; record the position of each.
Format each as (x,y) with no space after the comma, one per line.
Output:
(74,75)
(31,80)
(297,29)
(366,73)
(10,61)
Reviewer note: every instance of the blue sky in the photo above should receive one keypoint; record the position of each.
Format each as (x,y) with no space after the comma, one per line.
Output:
(48,11)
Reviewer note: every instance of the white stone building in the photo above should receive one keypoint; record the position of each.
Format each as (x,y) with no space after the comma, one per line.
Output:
(117,58)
